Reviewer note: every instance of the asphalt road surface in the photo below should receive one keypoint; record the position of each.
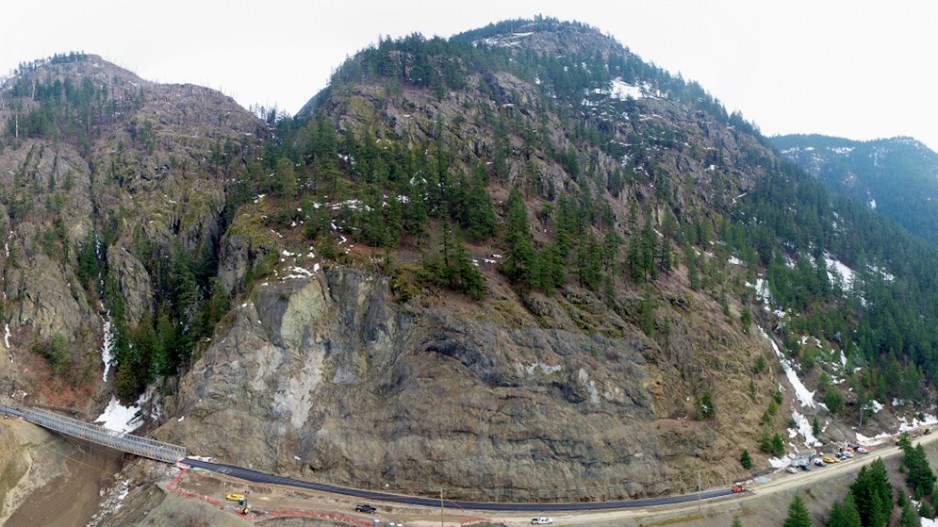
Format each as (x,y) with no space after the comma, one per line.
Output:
(261,477)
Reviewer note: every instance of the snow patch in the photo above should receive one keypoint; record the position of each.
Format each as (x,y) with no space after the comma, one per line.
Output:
(762,289)
(865,441)
(905,426)
(877,406)
(804,396)
(119,418)
(297,272)
(872,204)
(804,428)
(778,463)
(735,261)
(546,369)
(619,89)
(836,269)
(107,347)
(590,386)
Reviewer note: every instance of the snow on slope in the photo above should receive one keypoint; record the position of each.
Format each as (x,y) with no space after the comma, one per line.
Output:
(837,270)
(119,418)
(804,396)
(107,347)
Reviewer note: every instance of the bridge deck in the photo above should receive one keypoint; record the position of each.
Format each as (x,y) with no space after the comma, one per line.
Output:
(141,446)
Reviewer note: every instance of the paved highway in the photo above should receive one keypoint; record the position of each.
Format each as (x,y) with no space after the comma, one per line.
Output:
(261,477)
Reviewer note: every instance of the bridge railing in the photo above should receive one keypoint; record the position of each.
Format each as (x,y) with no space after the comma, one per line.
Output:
(137,445)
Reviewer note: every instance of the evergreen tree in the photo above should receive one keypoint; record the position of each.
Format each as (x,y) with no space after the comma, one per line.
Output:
(479,220)
(745,460)
(872,494)
(844,514)
(797,514)
(909,516)
(286,177)
(778,445)
(649,250)
(919,476)
(589,262)
(520,257)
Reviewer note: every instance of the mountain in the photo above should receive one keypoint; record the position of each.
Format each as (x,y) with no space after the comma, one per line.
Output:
(898,177)
(111,185)
(520,263)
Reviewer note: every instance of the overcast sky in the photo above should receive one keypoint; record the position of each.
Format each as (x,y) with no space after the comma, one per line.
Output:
(855,68)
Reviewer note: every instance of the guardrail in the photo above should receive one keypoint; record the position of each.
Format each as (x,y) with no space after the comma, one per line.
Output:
(140,446)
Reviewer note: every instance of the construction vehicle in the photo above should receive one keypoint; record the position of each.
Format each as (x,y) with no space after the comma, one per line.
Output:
(739,487)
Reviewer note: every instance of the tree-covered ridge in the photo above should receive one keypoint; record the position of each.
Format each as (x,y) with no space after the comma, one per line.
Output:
(896,177)
(445,64)
(786,224)
(99,158)
(42,101)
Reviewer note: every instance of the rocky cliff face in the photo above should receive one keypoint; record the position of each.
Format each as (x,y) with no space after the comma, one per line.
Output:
(315,355)
(93,156)
(328,378)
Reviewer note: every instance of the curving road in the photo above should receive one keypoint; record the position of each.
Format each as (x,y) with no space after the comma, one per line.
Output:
(261,477)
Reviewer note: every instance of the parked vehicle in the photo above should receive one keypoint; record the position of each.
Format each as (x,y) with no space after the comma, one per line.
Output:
(791,470)
(848,454)
(367,509)
(543,520)
(819,462)
(806,468)
(863,450)
(828,459)
(739,487)
(234,497)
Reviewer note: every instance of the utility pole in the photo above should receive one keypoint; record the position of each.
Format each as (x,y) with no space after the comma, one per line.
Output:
(441,506)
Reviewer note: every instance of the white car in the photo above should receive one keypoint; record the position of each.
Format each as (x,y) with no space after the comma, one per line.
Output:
(543,520)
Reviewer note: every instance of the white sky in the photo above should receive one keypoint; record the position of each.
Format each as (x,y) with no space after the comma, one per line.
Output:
(855,68)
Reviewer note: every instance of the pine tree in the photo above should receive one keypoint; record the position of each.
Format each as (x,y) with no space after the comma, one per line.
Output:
(125,382)
(286,177)
(919,476)
(649,250)
(909,516)
(479,221)
(745,460)
(872,493)
(797,514)
(520,257)
(778,445)
(844,514)
(737,522)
